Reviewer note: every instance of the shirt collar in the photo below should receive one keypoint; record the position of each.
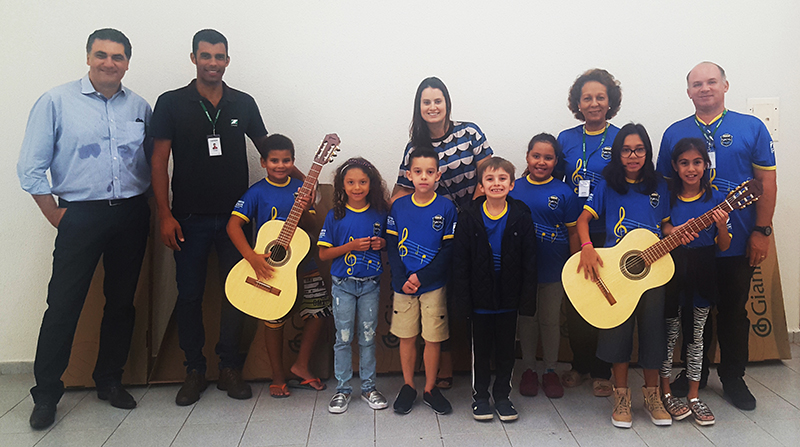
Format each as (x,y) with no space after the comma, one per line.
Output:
(87,88)
(195,96)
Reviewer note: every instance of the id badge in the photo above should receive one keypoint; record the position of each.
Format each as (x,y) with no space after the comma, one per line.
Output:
(583,188)
(214,146)
(713,157)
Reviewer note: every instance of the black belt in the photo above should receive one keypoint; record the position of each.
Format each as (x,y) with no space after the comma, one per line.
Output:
(99,203)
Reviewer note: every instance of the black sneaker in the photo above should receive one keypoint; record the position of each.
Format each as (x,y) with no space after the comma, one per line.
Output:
(43,415)
(438,403)
(482,411)
(405,399)
(506,411)
(680,387)
(738,393)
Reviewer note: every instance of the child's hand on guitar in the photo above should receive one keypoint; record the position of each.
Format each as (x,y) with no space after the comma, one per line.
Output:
(590,262)
(259,263)
(378,243)
(684,235)
(721,219)
(306,200)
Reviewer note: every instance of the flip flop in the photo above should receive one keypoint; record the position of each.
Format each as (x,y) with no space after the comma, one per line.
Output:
(279,391)
(444,383)
(308,384)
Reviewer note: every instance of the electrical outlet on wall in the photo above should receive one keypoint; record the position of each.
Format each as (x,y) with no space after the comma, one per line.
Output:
(767,110)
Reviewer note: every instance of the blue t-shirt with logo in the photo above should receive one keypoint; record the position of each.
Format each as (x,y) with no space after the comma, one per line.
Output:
(355,224)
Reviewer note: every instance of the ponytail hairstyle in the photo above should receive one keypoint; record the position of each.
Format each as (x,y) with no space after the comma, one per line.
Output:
(676,184)
(377,196)
(614,172)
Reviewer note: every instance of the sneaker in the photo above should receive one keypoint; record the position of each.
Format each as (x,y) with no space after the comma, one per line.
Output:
(506,411)
(438,403)
(621,417)
(375,399)
(405,399)
(653,405)
(529,385)
(481,410)
(338,403)
(552,385)
(702,414)
(738,393)
(675,407)
(680,387)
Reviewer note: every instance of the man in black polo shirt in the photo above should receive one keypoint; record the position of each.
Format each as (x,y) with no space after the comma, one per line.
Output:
(203,125)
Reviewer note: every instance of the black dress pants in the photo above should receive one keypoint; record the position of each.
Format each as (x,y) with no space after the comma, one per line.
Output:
(493,333)
(118,231)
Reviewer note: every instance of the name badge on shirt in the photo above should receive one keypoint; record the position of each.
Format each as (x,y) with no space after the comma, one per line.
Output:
(583,188)
(214,146)
(713,157)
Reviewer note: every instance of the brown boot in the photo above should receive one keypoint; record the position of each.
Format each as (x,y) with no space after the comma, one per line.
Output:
(654,407)
(622,416)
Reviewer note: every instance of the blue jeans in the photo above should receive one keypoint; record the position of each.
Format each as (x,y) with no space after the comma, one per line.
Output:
(351,295)
(200,232)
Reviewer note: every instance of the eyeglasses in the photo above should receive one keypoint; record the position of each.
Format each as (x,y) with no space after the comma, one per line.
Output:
(628,152)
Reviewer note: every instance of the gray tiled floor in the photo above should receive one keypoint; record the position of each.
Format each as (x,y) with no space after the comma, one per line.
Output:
(303,420)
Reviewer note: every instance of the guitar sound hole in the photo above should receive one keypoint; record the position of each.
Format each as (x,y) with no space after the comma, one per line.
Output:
(278,254)
(633,266)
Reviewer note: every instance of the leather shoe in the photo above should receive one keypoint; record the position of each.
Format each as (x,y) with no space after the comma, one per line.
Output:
(43,415)
(190,391)
(230,380)
(736,390)
(117,397)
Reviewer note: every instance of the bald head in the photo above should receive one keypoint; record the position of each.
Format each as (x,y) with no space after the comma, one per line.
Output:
(706,65)
(706,86)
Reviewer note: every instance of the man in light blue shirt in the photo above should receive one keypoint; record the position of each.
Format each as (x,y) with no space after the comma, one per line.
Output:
(90,135)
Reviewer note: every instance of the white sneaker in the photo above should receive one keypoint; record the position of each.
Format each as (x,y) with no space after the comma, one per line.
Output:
(338,403)
(375,399)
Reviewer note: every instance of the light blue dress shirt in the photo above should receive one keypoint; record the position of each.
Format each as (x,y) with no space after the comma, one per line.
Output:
(94,147)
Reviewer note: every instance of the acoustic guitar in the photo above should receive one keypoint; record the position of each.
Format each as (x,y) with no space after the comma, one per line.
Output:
(287,245)
(635,265)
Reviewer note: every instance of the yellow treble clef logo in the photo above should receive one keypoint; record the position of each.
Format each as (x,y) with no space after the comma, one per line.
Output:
(576,178)
(274,214)
(400,247)
(619,229)
(350,259)
(713,175)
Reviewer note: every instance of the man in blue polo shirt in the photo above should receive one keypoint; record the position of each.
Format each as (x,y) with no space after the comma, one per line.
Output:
(740,148)
(90,135)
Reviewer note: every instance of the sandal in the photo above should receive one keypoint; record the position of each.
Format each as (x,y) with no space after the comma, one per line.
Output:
(279,391)
(702,414)
(675,407)
(602,387)
(572,378)
(444,383)
(309,384)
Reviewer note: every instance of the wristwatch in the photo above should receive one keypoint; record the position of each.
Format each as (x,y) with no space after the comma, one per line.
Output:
(766,231)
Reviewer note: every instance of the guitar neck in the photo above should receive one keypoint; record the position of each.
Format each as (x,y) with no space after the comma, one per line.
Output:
(666,245)
(289,227)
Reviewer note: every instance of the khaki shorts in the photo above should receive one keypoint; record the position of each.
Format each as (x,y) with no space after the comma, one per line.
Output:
(430,309)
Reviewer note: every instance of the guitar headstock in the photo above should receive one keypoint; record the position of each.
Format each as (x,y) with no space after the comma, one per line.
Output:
(327,149)
(744,195)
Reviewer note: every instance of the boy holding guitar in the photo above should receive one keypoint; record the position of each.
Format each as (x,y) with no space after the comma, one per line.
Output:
(270,199)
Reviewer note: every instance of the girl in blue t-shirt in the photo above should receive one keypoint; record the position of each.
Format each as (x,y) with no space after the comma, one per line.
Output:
(352,236)
(555,209)
(693,288)
(631,195)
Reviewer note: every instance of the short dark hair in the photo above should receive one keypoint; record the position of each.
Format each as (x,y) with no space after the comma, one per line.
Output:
(112,35)
(275,142)
(493,164)
(603,77)
(423,152)
(419,132)
(211,36)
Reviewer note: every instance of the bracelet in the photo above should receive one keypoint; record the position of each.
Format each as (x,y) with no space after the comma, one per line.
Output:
(586,243)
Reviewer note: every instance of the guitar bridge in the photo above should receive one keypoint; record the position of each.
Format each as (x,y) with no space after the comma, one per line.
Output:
(604,290)
(262,285)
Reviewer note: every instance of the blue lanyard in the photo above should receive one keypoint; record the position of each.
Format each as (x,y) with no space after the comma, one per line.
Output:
(707,133)
(585,159)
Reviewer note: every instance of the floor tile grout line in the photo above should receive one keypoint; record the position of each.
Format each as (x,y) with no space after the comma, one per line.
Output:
(773,391)
(50,429)
(252,410)
(185,420)
(311,422)
(126,417)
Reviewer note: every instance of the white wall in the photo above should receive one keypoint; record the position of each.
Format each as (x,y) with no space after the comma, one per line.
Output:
(352,67)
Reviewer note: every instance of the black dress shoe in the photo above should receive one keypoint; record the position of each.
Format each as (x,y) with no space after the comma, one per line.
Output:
(116,396)
(43,415)
(230,380)
(190,391)
(738,393)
